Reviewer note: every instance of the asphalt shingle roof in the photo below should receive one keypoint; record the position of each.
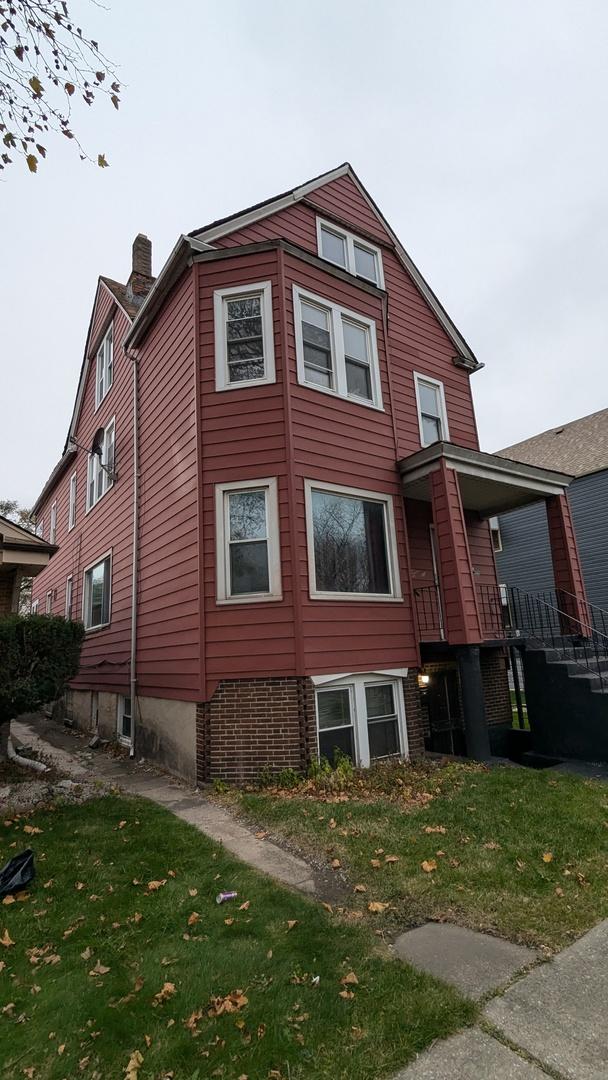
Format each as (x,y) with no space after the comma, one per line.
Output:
(578,448)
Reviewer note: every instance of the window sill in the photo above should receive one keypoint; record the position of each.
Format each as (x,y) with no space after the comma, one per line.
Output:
(96,629)
(365,598)
(341,397)
(256,598)
(245,384)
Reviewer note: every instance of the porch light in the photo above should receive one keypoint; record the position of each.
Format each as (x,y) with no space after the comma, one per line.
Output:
(423,681)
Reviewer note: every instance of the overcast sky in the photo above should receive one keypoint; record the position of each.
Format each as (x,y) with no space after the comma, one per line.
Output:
(478,126)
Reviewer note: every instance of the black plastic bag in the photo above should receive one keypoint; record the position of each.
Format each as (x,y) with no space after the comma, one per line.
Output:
(17,873)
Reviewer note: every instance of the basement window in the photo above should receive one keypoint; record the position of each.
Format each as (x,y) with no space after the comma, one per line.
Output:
(124,721)
(244,344)
(361,716)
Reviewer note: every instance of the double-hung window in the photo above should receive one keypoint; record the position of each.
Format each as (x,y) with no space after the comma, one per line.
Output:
(53,525)
(105,366)
(248,555)
(49,603)
(69,596)
(336,349)
(432,414)
(100,477)
(350,252)
(97,590)
(72,503)
(35,606)
(244,345)
(361,716)
(352,551)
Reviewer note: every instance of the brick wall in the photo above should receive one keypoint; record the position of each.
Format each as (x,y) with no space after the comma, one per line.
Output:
(496,686)
(253,724)
(414,715)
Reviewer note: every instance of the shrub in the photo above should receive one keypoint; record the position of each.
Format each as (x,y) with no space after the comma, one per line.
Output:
(39,654)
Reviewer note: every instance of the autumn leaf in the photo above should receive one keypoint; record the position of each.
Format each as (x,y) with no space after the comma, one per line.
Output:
(245,906)
(291,923)
(228,922)
(163,995)
(559,891)
(435,829)
(376,907)
(428,866)
(360,888)
(548,856)
(102,161)
(193,918)
(335,864)
(32,164)
(375,863)
(134,1064)
(229,1004)
(350,979)
(36,86)
(154,886)
(87,954)
(121,824)
(346,994)
(192,892)
(99,969)
(8,900)
(6,939)
(391,858)
(32,830)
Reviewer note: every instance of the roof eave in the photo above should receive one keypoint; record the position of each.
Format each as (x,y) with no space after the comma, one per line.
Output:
(178,260)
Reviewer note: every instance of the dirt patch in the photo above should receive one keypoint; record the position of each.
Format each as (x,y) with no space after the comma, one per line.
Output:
(22,790)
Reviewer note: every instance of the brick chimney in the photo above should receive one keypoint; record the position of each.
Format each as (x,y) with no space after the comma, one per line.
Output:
(140,279)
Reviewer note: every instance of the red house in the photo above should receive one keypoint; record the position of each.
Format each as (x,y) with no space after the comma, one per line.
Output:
(272,512)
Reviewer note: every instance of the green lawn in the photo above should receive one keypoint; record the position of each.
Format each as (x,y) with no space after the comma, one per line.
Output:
(514,851)
(249,992)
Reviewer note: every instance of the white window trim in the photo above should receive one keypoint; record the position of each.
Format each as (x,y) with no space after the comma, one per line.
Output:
(494,523)
(356,683)
(220,297)
(101,349)
(270,484)
(351,239)
(48,605)
(108,481)
(120,708)
(53,523)
(336,313)
(34,607)
(418,378)
(72,493)
(91,566)
(69,589)
(395,595)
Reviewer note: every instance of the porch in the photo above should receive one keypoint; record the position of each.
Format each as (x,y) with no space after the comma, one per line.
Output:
(22,555)
(451,492)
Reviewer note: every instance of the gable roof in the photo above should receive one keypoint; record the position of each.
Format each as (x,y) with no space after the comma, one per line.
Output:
(579,448)
(223,226)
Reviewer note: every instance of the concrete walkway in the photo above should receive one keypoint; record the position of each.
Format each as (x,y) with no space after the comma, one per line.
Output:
(70,754)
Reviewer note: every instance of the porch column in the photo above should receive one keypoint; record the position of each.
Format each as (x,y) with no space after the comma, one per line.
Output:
(473,705)
(567,570)
(458,593)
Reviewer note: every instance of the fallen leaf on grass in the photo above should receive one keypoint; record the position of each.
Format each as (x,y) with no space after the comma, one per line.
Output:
(435,829)
(291,923)
(548,856)
(193,918)
(245,906)
(32,830)
(261,835)
(192,892)
(376,907)
(8,900)
(99,969)
(6,939)
(559,891)
(154,886)
(163,995)
(228,922)
(360,888)
(428,866)
(335,864)
(148,1040)
(79,885)
(61,1048)
(346,994)
(350,979)
(375,863)
(229,1004)
(121,824)
(391,858)
(134,1064)
(87,954)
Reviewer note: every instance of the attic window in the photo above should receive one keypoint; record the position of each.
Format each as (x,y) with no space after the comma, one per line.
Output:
(350,252)
(105,367)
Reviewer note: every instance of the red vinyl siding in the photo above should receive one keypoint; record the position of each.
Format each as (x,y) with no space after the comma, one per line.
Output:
(107,526)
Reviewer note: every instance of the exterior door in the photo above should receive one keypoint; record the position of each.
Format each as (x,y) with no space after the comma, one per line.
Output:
(446,728)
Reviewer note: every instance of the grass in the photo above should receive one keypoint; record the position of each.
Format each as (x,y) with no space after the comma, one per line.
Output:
(517,852)
(91,909)
(515,713)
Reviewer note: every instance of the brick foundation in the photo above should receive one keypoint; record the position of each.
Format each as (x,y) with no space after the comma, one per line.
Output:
(414,715)
(253,724)
(495,678)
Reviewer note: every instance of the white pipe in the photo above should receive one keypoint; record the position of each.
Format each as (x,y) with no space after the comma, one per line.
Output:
(38,766)
(135,553)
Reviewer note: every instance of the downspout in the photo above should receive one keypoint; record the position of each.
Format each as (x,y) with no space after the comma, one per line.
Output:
(132,354)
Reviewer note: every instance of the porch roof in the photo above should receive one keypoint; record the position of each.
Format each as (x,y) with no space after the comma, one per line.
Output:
(22,550)
(489,484)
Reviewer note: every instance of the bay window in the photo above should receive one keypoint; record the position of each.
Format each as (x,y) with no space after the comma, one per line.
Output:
(351,544)
(336,349)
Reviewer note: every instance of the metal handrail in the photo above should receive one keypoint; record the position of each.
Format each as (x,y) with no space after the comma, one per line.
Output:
(574,639)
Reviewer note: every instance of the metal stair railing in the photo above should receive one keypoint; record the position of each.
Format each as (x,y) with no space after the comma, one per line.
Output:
(575,641)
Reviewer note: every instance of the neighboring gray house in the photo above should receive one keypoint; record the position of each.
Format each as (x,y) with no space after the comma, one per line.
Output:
(521,538)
